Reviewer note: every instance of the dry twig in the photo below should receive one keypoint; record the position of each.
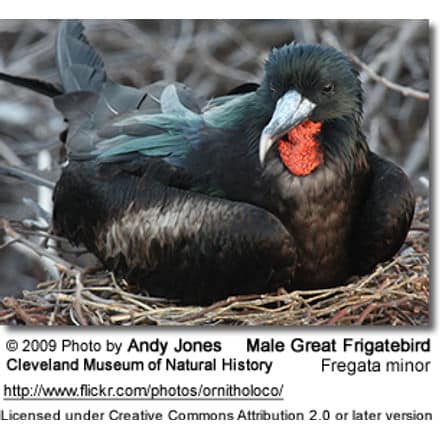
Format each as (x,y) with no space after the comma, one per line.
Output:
(405,91)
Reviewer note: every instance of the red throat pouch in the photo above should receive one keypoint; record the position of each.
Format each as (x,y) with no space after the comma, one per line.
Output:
(300,153)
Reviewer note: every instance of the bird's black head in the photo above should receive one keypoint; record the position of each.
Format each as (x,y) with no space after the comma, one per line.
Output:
(321,74)
(308,82)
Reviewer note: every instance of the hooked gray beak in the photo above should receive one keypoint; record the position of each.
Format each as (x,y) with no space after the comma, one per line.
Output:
(290,111)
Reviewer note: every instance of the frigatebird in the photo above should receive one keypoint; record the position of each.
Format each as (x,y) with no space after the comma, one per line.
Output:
(271,186)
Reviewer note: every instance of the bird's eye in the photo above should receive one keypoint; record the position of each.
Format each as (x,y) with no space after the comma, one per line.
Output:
(328,87)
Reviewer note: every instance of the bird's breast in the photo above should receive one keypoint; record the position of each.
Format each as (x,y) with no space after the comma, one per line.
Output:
(319,215)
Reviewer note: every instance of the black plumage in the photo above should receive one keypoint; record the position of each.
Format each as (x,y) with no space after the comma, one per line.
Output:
(270,186)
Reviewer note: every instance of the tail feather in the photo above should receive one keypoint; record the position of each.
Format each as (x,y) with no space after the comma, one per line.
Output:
(37,85)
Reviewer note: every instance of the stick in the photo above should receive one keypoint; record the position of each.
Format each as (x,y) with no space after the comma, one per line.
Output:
(405,91)
(26,175)
(16,237)
(9,156)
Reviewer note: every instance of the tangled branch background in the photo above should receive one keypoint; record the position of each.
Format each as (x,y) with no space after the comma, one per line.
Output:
(212,57)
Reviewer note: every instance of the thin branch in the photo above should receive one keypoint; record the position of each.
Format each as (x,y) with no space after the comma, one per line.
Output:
(9,156)
(6,226)
(419,150)
(405,91)
(78,301)
(26,175)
